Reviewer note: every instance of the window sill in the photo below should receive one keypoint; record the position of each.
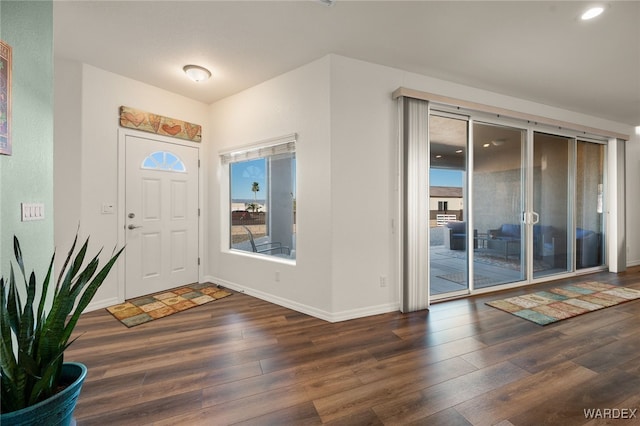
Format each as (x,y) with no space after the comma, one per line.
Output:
(249,254)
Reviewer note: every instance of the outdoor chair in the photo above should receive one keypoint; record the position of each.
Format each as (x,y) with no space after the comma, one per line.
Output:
(455,236)
(269,247)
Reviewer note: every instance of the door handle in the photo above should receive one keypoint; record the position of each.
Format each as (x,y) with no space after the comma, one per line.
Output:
(535,218)
(530,218)
(132,226)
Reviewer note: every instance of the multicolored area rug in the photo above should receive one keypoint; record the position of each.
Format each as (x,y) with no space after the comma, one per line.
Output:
(148,308)
(546,307)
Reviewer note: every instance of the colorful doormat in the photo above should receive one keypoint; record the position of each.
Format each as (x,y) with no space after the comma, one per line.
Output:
(148,308)
(546,307)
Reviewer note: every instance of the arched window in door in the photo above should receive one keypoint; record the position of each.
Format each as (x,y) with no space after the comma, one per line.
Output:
(165,161)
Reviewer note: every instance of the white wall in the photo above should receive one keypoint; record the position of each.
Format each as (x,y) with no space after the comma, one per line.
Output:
(363,173)
(297,102)
(347,156)
(86,146)
(67,154)
(347,191)
(345,118)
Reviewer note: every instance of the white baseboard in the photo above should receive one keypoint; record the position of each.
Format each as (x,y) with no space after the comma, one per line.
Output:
(101,304)
(631,263)
(365,312)
(306,309)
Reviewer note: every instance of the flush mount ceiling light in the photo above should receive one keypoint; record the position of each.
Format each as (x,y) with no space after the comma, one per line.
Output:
(592,13)
(196,72)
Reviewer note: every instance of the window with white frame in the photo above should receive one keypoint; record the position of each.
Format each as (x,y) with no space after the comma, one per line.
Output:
(262,198)
(165,161)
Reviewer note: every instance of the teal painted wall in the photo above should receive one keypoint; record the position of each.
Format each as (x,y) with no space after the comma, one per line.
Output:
(27,175)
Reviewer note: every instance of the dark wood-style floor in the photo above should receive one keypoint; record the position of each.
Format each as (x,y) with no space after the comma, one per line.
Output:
(240,360)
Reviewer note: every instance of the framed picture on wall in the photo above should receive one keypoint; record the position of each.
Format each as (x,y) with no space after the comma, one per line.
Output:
(5,98)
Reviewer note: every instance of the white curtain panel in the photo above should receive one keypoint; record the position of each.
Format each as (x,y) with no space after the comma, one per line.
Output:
(414,259)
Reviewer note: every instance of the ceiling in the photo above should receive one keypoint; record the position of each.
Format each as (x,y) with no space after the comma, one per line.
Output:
(538,51)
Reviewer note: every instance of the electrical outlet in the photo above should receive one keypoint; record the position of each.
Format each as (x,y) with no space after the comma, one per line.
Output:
(107,208)
(383,281)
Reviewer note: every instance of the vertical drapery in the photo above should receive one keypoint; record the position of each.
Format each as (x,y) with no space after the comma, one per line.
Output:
(616,225)
(414,190)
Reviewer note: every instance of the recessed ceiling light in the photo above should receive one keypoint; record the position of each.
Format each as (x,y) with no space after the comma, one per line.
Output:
(592,13)
(486,145)
(438,156)
(196,72)
(458,151)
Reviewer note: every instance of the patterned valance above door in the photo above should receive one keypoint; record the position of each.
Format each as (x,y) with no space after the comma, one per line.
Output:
(153,123)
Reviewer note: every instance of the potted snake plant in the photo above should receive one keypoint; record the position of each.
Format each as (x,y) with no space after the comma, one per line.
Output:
(37,386)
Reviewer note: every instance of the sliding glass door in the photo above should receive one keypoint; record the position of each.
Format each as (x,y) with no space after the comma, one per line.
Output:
(510,204)
(448,225)
(498,203)
(552,200)
(590,200)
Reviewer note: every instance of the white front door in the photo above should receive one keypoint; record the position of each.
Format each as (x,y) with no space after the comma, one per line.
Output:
(161,209)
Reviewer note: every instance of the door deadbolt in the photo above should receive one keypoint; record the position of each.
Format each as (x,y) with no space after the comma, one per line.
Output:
(131,215)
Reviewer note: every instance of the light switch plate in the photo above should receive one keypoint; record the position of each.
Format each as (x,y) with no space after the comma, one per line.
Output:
(32,211)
